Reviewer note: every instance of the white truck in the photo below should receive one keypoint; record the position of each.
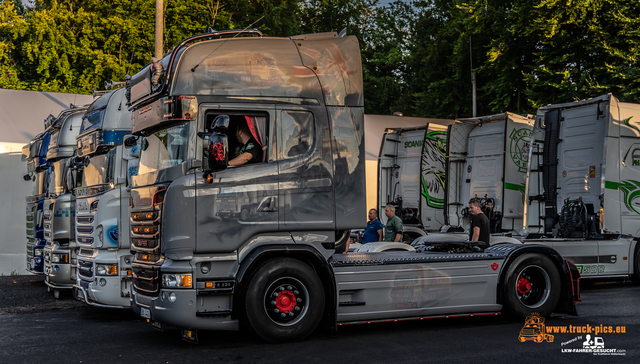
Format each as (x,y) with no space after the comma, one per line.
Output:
(59,209)
(430,174)
(411,176)
(487,159)
(102,203)
(583,185)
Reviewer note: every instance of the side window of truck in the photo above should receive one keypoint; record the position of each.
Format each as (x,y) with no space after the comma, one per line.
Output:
(296,133)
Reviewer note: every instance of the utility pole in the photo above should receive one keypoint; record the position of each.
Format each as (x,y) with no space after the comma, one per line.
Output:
(473,78)
(159,28)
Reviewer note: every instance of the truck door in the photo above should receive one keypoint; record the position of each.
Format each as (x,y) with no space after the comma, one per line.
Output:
(241,202)
(305,165)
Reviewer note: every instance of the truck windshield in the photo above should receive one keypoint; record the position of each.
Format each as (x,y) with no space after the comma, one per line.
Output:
(39,183)
(100,169)
(57,178)
(165,148)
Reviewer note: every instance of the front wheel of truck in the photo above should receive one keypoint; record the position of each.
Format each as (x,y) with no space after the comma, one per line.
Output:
(284,300)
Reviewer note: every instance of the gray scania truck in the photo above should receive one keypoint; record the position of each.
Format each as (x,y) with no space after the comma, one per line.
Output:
(102,203)
(272,266)
(59,209)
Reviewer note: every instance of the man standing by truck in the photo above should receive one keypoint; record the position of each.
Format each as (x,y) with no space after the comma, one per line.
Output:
(479,228)
(393,229)
(373,231)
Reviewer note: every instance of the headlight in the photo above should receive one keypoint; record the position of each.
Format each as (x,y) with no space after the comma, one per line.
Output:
(37,252)
(60,258)
(106,270)
(176,280)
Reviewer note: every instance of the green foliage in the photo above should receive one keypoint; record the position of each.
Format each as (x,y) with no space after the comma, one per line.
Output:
(417,56)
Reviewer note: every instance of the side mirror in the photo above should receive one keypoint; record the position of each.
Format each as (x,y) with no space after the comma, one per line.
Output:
(144,144)
(71,179)
(27,177)
(217,152)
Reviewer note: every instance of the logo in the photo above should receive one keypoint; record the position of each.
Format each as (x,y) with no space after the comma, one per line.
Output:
(534,330)
(519,148)
(588,340)
(631,191)
(494,266)
(628,123)
(413,144)
(592,171)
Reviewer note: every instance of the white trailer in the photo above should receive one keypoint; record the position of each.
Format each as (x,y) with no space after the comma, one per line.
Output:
(584,184)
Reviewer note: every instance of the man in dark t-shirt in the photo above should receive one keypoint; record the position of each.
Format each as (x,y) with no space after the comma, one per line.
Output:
(479,229)
(251,152)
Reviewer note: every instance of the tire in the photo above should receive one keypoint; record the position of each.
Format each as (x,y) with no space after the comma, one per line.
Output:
(635,276)
(532,285)
(284,286)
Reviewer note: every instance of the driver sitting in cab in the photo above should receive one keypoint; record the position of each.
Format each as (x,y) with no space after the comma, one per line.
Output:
(250,152)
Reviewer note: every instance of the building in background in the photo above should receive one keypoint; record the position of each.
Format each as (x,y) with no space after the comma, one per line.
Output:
(22,115)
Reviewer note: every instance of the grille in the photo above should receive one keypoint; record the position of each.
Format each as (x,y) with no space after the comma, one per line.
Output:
(85,230)
(84,219)
(146,281)
(84,241)
(86,251)
(85,269)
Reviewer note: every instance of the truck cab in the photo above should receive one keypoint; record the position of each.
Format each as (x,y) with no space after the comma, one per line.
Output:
(38,173)
(488,159)
(102,199)
(59,209)
(582,185)
(411,176)
(195,228)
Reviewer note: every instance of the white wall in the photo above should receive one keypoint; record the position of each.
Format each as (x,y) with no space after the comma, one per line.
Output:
(13,229)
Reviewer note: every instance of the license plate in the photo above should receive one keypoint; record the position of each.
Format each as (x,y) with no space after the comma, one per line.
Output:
(145,312)
(82,206)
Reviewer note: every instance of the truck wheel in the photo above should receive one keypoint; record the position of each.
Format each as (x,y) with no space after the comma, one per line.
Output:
(635,276)
(532,285)
(284,300)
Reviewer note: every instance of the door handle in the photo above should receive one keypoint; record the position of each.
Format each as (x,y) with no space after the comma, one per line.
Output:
(268,204)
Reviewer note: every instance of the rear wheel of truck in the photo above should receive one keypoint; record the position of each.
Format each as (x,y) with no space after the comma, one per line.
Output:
(532,285)
(284,300)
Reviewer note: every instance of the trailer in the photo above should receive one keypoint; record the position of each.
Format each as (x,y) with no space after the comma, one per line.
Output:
(274,269)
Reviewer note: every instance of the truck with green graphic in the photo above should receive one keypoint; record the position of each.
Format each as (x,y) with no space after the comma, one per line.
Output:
(487,159)
(411,176)
(430,173)
(583,187)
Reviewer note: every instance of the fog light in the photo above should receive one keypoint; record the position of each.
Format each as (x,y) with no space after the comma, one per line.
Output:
(103,282)
(162,296)
(172,297)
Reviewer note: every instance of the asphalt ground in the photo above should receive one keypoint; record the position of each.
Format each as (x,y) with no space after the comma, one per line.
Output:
(70,333)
